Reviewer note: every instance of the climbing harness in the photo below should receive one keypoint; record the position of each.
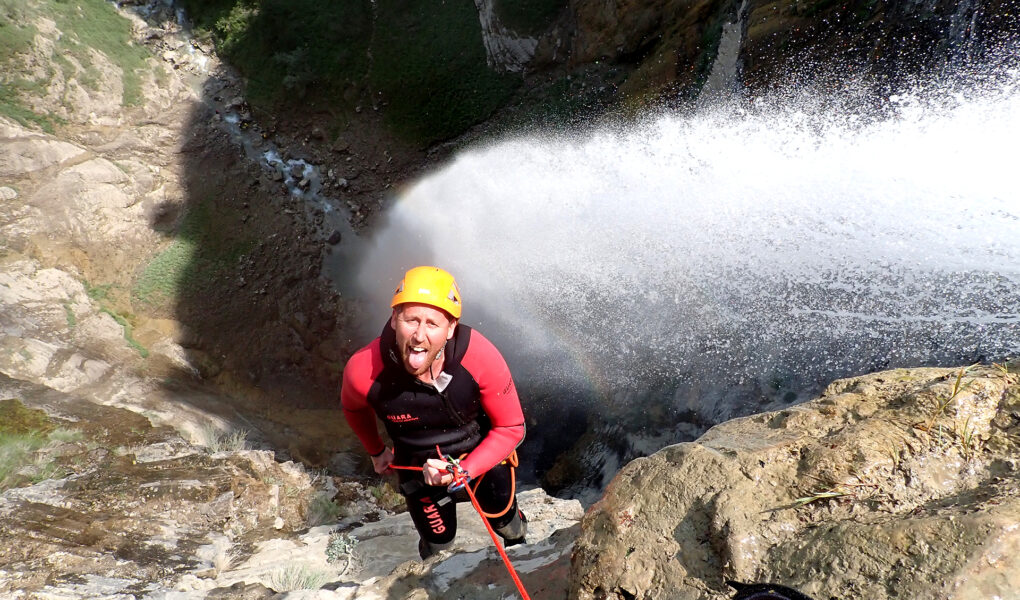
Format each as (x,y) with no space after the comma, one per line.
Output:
(461,479)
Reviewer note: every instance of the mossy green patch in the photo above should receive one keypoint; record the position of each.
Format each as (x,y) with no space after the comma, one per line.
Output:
(16,418)
(200,256)
(128,328)
(16,33)
(23,432)
(72,321)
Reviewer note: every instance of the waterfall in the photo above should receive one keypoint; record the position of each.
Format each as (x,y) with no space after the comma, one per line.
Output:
(710,265)
(722,79)
(504,49)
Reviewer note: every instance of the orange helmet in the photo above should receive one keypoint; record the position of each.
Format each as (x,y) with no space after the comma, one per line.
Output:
(429,285)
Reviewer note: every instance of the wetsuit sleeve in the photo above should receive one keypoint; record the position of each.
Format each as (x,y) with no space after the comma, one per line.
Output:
(499,401)
(357,380)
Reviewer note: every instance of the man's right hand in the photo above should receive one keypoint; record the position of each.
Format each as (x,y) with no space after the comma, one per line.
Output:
(381,462)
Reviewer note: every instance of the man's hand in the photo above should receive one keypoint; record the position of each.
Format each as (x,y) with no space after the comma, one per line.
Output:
(436,472)
(381,463)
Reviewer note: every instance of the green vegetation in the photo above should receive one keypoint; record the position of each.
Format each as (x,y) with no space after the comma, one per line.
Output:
(387,496)
(72,321)
(200,255)
(95,24)
(298,577)
(340,547)
(98,292)
(164,277)
(102,294)
(430,68)
(24,432)
(940,406)
(16,418)
(215,440)
(322,510)
(422,64)
(84,26)
(289,48)
(126,325)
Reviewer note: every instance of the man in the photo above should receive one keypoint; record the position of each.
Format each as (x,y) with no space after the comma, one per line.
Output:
(435,382)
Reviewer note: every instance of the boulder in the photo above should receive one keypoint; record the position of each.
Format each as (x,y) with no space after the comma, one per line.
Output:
(897,484)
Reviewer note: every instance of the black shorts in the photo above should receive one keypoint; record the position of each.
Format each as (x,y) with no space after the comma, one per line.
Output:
(434,510)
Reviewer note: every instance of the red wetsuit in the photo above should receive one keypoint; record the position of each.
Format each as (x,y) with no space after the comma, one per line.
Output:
(477,412)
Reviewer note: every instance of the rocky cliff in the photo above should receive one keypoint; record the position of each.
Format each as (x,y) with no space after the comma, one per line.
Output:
(896,484)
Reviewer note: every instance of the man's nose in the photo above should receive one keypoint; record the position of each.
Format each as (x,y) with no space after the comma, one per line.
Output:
(419,333)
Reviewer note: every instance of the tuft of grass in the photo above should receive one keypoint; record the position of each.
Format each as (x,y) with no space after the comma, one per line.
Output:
(16,451)
(72,321)
(298,577)
(968,441)
(24,432)
(940,407)
(226,557)
(322,510)
(820,495)
(215,440)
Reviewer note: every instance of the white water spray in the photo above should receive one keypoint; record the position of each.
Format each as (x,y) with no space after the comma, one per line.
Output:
(760,248)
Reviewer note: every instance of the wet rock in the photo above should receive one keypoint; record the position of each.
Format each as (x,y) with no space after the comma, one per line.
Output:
(334,238)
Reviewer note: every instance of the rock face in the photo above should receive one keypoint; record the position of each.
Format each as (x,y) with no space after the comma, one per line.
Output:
(114,507)
(670,45)
(898,484)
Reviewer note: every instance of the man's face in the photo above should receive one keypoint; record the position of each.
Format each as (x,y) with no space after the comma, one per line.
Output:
(422,332)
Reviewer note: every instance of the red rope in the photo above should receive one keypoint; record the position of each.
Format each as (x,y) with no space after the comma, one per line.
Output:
(492,534)
(459,476)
